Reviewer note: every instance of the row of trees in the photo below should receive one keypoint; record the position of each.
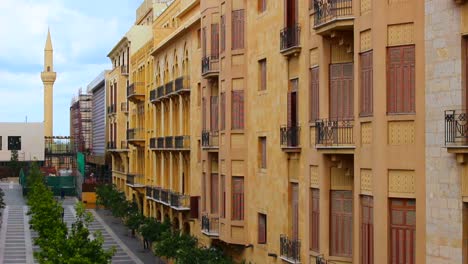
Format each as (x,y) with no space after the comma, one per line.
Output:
(58,243)
(166,242)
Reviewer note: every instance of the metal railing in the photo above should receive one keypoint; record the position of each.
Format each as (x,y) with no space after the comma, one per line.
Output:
(456,127)
(111,145)
(153,95)
(149,191)
(132,179)
(164,196)
(135,134)
(210,139)
(179,83)
(182,142)
(111,109)
(334,132)
(160,142)
(153,143)
(160,92)
(136,88)
(326,11)
(169,142)
(290,37)
(124,107)
(290,249)
(180,201)
(157,193)
(210,63)
(290,136)
(210,225)
(169,87)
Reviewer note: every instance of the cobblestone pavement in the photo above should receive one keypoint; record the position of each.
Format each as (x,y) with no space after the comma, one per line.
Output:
(16,244)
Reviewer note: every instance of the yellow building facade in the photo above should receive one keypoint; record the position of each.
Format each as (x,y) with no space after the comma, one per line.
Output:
(280,131)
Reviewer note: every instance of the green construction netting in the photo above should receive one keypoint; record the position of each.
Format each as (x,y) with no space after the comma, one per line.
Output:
(56,184)
(80,160)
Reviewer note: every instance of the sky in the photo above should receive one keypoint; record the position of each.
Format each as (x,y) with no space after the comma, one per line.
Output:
(83,33)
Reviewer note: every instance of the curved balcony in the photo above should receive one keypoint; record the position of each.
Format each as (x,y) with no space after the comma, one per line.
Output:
(332,15)
(210,225)
(136,136)
(179,201)
(136,92)
(210,66)
(210,140)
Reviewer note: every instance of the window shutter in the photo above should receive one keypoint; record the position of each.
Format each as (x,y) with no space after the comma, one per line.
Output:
(214,193)
(194,206)
(223,33)
(366,97)
(341,225)
(264,158)
(237,198)
(214,40)
(367,230)
(223,196)
(238,29)
(295,210)
(315,220)
(204,48)
(262,226)
(204,113)
(401,79)
(214,113)
(341,91)
(402,230)
(238,109)
(314,94)
(223,111)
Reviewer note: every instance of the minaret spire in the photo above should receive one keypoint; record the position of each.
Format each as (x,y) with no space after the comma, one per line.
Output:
(48,77)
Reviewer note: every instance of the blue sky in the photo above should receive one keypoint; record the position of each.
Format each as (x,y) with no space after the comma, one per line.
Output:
(83,32)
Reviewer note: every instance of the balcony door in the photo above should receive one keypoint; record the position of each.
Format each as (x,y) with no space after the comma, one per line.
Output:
(291,12)
(293,104)
(341,91)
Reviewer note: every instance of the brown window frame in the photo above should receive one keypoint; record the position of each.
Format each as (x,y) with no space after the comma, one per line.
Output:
(214,112)
(341,93)
(405,228)
(214,193)
(262,152)
(262,228)
(314,94)
(223,33)
(401,65)
(223,196)
(237,110)
(262,73)
(261,6)
(214,40)
(238,29)
(238,205)
(223,111)
(367,229)
(366,84)
(314,220)
(341,224)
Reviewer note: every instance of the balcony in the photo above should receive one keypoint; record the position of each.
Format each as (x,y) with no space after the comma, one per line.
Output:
(333,15)
(290,249)
(124,107)
(135,180)
(136,92)
(160,143)
(157,194)
(149,192)
(153,95)
(159,92)
(179,201)
(290,40)
(210,139)
(210,226)
(182,85)
(456,132)
(124,70)
(135,136)
(210,66)
(152,143)
(164,196)
(111,145)
(111,109)
(290,138)
(182,142)
(168,88)
(334,134)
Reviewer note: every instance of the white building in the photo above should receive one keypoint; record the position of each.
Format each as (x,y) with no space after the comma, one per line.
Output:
(27,138)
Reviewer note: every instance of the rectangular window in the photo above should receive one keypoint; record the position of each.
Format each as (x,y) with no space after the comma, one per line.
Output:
(295,210)
(366,94)
(262,228)
(367,230)
(223,111)
(341,225)
(204,192)
(214,113)
(237,109)
(314,94)
(262,72)
(237,198)
(341,91)
(214,40)
(199,152)
(214,193)
(262,5)
(198,38)
(238,29)
(199,94)
(262,161)
(293,107)
(223,33)
(401,80)
(203,113)
(223,196)
(314,219)
(402,230)
(204,46)
(14,143)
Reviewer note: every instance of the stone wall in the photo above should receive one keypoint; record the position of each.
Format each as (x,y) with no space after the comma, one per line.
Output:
(443,92)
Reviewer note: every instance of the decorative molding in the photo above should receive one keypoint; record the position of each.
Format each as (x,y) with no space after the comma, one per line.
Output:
(400,34)
(366,181)
(401,132)
(401,183)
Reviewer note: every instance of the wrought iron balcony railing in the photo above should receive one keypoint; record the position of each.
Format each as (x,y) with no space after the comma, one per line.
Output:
(290,136)
(179,83)
(182,142)
(134,179)
(157,194)
(149,192)
(210,225)
(169,87)
(210,139)
(327,11)
(160,92)
(456,127)
(153,95)
(152,143)
(160,142)
(180,201)
(169,142)
(210,64)
(164,196)
(290,37)
(290,249)
(135,134)
(334,132)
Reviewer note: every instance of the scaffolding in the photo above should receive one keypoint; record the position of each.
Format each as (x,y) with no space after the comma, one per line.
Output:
(60,157)
(81,122)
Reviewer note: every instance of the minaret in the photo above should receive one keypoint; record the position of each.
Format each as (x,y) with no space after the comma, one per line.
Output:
(48,77)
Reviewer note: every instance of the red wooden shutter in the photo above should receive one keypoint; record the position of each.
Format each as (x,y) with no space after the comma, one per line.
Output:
(367,230)
(214,113)
(264,152)
(194,206)
(295,210)
(402,231)
(237,109)
(237,198)
(214,193)
(314,220)
(204,192)
(204,113)
(223,111)
(289,109)
(341,91)
(341,226)
(263,74)
(223,33)
(223,196)
(262,228)
(366,94)
(204,48)
(238,29)
(314,94)
(214,41)
(401,79)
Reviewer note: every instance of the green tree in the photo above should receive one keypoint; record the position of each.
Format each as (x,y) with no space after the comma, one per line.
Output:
(14,164)
(2,202)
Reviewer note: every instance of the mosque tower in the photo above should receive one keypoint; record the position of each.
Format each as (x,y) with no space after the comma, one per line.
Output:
(48,77)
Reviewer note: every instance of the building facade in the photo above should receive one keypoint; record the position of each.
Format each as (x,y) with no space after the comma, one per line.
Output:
(26,138)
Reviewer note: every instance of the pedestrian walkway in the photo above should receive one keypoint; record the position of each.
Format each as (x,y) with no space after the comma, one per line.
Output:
(15,237)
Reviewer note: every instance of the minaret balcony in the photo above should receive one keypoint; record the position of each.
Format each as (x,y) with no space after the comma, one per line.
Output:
(48,77)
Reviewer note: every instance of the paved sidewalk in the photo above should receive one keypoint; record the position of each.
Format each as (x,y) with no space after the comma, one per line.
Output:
(124,235)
